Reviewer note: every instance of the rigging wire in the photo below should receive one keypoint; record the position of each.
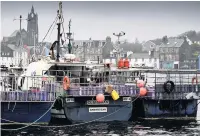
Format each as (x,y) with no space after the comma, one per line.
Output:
(50,28)
(48,32)
(52,31)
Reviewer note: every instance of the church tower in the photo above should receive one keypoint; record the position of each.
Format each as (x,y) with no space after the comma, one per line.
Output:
(32,28)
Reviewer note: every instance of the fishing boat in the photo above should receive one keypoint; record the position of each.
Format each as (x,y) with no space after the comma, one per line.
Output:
(172,94)
(128,92)
(77,91)
(26,97)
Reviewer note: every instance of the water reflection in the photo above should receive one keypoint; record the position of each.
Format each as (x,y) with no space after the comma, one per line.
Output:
(115,129)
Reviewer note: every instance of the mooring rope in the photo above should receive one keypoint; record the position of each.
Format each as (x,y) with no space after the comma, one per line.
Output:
(31,124)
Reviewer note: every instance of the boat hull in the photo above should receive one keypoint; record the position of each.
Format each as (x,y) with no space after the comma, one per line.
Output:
(81,111)
(25,112)
(172,109)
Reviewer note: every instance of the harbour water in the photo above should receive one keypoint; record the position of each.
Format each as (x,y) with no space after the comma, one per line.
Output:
(138,128)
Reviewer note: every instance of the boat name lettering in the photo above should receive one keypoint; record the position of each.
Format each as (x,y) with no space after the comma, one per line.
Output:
(69,100)
(128,99)
(98,109)
(94,102)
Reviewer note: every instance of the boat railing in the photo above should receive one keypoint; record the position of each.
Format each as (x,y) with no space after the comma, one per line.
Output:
(90,82)
(151,77)
(29,88)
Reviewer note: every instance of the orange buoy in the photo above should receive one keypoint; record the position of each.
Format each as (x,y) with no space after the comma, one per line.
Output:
(143,91)
(66,83)
(100,98)
(120,63)
(126,63)
(140,83)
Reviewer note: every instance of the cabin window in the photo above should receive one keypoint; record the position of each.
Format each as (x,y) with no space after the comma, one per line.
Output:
(143,59)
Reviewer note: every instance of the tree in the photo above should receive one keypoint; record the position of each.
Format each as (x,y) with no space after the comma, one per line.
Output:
(136,41)
(195,50)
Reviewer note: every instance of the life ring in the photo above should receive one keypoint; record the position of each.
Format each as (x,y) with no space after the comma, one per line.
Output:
(166,88)
(66,83)
(194,78)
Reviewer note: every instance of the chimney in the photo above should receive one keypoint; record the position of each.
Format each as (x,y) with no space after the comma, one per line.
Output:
(108,39)
(185,38)
(165,40)
(151,53)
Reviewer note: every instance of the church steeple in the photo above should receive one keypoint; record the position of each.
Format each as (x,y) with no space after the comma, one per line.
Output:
(32,28)
(32,9)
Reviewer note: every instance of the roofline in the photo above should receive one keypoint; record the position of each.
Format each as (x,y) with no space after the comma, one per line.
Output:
(152,42)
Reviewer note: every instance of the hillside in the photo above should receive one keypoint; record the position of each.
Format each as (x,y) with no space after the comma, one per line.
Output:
(137,46)
(192,35)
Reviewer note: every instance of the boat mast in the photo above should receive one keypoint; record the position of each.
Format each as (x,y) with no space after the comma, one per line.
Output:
(20,41)
(69,37)
(117,48)
(58,37)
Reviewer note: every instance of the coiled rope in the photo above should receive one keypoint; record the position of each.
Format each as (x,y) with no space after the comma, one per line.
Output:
(31,124)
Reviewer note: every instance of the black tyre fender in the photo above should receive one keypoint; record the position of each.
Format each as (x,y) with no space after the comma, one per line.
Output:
(58,104)
(169,89)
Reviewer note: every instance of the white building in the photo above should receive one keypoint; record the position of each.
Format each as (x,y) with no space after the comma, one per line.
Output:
(144,59)
(11,55)
(138,59)
(113,56)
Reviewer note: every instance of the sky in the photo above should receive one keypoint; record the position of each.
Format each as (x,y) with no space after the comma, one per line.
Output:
(142,20)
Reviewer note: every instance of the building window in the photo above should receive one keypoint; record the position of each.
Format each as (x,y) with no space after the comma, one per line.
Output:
(161,57)
(161,50)
(135,59)
(173,50)
(167,50)
(177,50)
